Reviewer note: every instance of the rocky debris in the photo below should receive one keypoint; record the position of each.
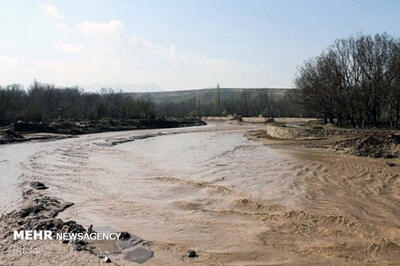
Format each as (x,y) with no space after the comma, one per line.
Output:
(8,135)
(38,185)
(90,229)
(127,243)
(21,126)
(192,254)
(372,145)
(39,212)
(124,236)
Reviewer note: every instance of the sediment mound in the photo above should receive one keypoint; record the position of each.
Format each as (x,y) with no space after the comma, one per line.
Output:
(17,131)
(96,126)
(9,135)
(373,145)
(39,213)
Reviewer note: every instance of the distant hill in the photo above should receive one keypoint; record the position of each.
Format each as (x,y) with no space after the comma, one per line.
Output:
(207,96)
(125,87)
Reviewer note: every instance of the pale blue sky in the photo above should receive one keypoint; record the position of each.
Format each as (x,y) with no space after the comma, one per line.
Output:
(177,44)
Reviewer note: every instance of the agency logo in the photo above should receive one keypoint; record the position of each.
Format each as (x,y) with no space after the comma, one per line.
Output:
(48,235)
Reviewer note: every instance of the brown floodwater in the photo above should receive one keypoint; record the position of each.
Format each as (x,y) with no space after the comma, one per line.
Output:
(232,200)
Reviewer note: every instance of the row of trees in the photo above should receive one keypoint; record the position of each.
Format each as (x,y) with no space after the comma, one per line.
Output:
(43,102)
(355,82)
(246,103)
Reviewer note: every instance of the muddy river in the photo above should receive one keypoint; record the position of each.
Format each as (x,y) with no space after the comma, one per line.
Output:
(210,189)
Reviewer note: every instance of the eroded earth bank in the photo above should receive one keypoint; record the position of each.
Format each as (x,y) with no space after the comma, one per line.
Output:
(209,189)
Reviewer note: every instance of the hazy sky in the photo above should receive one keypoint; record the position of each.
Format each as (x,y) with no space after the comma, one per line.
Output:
(177,44)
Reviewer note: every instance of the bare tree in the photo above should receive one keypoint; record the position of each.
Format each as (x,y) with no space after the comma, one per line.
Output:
(354,82)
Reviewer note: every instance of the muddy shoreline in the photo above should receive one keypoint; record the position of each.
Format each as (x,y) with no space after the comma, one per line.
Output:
(27,131)
(368,143)
(40,212)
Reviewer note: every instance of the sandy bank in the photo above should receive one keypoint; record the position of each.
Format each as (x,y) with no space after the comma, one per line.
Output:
(252,119)
(27,131)
(360,142)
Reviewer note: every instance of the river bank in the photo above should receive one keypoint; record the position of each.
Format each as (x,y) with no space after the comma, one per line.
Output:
(39,212)
(377,143)
(26,131)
